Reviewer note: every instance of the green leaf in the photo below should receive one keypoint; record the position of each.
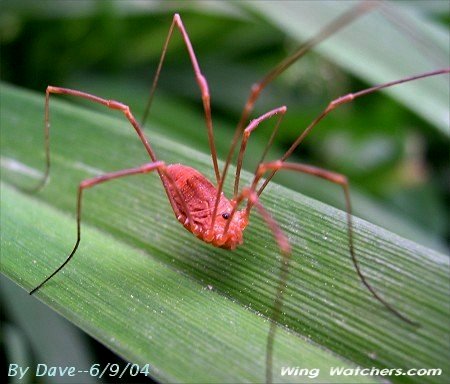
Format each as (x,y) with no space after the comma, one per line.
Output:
(154,294)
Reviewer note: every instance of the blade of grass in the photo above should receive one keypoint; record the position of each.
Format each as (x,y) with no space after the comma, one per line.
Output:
(144,310)
(140,282)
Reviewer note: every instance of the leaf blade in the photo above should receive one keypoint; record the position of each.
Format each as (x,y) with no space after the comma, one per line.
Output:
(324,300)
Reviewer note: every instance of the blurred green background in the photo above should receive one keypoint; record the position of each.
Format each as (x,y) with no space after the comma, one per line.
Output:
(395,155)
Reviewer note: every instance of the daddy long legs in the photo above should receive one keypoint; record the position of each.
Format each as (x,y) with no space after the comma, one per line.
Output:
(199,204)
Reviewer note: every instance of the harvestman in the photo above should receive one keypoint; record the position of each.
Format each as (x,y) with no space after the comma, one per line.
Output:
(199,205)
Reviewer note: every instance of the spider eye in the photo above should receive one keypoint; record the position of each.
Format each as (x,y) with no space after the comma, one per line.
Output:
(226,215)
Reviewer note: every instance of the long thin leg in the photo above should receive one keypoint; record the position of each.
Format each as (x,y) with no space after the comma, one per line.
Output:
(112,104)
(285,250)
(340,22)
(344,100)
(247,131)
(342,181)
(88,183)
(201,81)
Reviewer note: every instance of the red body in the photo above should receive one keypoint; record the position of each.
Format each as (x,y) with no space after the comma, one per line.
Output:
(200,196)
